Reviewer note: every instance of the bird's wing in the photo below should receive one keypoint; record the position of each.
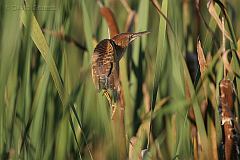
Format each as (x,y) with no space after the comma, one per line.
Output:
(104,64)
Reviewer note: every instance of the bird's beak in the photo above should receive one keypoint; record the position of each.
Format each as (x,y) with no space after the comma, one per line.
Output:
(138,34)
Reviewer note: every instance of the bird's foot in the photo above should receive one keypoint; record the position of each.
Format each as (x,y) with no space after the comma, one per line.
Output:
(111,104)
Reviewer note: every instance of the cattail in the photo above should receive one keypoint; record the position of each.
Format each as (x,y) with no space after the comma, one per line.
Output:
(227,118)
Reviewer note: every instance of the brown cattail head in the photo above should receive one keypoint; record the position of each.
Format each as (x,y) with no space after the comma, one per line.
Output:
(227,117)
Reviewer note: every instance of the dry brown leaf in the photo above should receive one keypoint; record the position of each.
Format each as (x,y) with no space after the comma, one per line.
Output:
(201,59)
(203,67)
(213,13)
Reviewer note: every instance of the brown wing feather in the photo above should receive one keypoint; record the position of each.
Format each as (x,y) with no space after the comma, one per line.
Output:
(104,65)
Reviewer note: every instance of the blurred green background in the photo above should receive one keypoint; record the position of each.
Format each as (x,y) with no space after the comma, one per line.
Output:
(50,109)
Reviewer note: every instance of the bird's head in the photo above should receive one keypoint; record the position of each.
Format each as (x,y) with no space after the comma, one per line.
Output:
(122,40)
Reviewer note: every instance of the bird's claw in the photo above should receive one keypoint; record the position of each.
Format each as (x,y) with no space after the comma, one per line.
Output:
(109,98)
(112,105)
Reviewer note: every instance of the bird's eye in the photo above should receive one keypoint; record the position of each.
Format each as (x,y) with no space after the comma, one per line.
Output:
(130,37)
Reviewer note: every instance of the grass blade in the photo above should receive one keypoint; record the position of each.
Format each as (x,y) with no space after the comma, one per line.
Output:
(41,43)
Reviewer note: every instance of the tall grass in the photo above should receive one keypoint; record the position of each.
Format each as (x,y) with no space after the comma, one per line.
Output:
(50,109)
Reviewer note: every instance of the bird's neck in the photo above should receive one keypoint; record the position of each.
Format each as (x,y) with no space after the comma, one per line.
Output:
(119,52)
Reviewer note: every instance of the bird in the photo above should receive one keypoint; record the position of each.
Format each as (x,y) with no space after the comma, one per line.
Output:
(105,62)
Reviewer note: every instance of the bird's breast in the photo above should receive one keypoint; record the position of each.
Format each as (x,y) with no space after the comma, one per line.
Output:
(103,64)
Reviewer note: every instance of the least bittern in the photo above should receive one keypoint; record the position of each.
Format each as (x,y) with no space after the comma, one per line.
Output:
(105,62)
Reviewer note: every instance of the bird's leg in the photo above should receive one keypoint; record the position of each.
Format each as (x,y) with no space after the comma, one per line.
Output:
(112,105)
(116,99)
